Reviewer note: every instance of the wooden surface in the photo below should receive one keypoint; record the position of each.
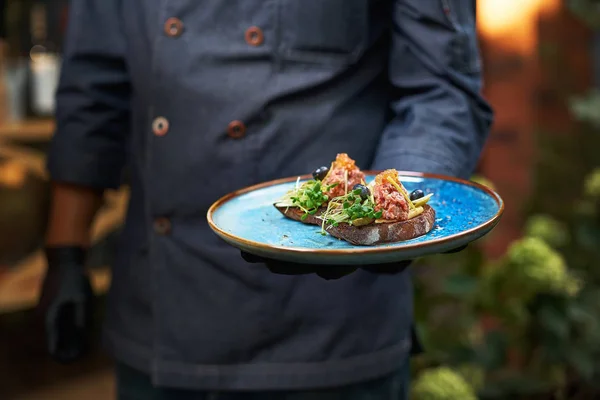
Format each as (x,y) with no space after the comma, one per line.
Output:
(30,130)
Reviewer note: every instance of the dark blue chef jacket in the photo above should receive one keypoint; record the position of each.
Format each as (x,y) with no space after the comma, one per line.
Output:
(201,97)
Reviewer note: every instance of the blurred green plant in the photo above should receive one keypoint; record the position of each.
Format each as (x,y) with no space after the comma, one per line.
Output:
(527,324)
(586,107)
(442,383)
(547,229)
(592,184)
(524,325)
(587,11)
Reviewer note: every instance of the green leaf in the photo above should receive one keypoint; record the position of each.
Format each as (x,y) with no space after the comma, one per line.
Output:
(460,285)
(554,322)
(492,354)
(588,236)
(582,361)
(514,386)
(578,314)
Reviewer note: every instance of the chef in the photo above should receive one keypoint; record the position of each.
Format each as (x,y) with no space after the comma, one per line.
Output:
(198,98)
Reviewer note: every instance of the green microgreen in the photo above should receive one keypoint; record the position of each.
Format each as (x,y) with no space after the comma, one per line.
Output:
(309,197)
(348,208)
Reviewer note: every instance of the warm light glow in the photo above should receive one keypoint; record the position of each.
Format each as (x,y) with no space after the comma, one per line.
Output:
(12,174)
(512,22)
(502,16)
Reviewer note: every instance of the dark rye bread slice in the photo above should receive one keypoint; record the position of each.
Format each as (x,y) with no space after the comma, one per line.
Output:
(375,233)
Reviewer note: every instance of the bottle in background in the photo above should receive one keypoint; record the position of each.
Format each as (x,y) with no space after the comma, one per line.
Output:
(44,62)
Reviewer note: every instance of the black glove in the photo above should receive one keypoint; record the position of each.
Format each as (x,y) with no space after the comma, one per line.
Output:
(327,272)
(66,304)
(331,271)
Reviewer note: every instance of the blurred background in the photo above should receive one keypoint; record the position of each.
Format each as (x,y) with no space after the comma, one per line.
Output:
(515,316)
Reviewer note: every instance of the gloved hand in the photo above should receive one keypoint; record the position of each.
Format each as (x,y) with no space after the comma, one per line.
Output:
(330,272)
(66,304)
(327,272)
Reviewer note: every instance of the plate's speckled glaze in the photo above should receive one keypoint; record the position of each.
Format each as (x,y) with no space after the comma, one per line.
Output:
(246,219)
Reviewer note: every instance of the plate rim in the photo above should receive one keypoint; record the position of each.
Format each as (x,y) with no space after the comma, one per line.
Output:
(357,250)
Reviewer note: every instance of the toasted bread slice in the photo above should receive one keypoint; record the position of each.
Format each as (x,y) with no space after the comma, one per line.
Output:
(374,233)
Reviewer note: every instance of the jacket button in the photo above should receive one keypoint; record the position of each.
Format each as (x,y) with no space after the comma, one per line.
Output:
(173,27)
(236,129)
(254,36)
(162,226)
(160,126)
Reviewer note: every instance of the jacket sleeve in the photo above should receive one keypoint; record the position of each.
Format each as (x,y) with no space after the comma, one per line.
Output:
(440,120)
(92,98)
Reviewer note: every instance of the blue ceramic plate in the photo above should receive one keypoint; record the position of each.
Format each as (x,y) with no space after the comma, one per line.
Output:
(247,219)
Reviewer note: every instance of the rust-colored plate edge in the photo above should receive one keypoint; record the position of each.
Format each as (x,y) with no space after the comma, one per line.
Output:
(358,249)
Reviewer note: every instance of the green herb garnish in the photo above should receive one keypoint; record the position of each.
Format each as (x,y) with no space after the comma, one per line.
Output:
(350,208)
(309,197)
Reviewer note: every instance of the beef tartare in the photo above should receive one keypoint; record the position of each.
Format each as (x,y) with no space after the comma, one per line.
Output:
(388,197)
(344,174)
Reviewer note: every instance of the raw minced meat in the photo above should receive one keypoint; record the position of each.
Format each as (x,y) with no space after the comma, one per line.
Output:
(337,175)
(390,202)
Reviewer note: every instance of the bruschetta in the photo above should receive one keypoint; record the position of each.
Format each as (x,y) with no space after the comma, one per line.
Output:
(311,197)
(381,212)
